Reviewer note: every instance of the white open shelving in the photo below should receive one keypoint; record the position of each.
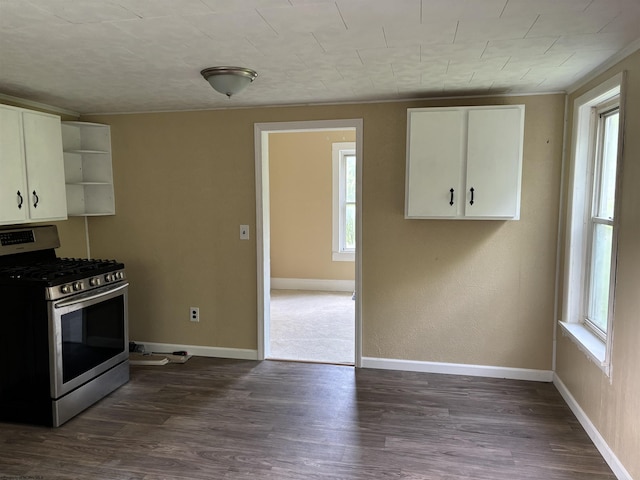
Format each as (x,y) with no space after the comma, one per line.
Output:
(88,169)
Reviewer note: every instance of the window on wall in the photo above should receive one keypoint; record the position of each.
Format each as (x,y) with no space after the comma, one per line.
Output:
(344,201)
(591,249)
(601,224)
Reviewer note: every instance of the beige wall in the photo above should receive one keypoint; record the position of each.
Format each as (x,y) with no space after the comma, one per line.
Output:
(73,241)
(301,185)
(478,292)
(613,404)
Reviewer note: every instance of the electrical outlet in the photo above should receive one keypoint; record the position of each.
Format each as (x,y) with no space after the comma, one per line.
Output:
(194,314)
(244,232)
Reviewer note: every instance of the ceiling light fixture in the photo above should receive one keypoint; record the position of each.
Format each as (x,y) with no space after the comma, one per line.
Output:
(229,80)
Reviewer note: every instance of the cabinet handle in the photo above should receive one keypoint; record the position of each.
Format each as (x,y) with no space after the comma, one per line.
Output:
(35,204)
(21,200)
(451,201)
(472,190)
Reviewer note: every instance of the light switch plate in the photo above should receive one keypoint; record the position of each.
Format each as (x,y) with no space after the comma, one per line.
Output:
(244,232)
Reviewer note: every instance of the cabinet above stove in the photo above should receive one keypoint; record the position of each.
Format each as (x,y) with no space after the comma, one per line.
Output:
(31,167)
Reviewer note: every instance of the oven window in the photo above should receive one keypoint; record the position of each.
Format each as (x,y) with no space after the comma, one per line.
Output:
(91,336)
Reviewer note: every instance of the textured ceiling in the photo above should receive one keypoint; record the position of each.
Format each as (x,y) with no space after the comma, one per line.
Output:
(94,56)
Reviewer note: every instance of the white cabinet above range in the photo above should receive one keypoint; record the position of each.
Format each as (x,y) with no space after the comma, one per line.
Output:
(87,166)
(464,162)
(31,167)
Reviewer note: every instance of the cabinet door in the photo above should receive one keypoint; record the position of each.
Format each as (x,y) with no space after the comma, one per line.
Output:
(45,166)
(13,192)
(434,162)
(494,162)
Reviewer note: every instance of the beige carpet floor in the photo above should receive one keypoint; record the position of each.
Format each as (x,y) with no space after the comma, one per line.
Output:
(312,326)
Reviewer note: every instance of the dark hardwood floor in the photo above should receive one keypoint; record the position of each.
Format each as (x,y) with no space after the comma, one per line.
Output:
(232,419)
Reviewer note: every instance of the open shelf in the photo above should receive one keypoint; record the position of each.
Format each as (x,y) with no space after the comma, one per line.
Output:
(88,169)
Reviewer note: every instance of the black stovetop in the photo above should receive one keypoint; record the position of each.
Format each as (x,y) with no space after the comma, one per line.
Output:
(55,271)
(28,256)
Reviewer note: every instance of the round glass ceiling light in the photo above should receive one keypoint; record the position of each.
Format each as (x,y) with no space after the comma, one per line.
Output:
(229,80)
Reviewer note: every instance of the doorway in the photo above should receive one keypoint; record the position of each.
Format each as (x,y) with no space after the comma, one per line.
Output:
(263,225)
(312,326)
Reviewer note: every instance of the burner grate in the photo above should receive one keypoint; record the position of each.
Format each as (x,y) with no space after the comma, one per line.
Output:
(58,270)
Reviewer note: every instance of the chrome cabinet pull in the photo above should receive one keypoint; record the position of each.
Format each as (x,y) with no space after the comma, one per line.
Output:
(451,201)
(472,190)
(21,200)
(35,204)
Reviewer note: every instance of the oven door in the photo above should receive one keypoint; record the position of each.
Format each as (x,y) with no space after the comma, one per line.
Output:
(88,335)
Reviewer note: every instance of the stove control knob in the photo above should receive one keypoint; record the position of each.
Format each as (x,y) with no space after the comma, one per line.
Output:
(65,288)
(94,282)
(77,286)
(108,277)
(120,275)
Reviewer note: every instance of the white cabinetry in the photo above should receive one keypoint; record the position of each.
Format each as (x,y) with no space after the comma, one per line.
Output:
(31,167)
(87,166)
(464,162)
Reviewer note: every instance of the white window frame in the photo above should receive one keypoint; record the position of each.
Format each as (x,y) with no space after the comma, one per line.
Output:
(598,118)
(578,243)
(339,151)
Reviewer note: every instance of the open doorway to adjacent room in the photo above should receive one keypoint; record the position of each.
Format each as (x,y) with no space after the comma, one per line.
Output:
(308,178)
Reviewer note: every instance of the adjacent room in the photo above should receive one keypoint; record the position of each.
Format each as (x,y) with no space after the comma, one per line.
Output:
(312,217)
(366,239)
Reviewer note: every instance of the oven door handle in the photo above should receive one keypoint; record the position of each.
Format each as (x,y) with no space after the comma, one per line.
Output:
(88,298)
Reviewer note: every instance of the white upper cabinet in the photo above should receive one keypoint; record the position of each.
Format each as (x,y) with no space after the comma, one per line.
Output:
(31,167)
(464,162)
(45,166)
(433,171)
(13,180)
(494,162)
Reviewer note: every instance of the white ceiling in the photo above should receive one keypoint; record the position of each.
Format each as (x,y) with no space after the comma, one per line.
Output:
(93,56)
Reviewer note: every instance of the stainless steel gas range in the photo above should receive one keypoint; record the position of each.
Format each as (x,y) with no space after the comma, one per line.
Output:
(63,328)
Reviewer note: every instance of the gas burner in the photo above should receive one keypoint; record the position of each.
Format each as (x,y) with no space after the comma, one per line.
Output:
(59,270)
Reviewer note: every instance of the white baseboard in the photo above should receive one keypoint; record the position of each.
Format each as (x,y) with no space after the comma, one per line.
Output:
(313,284)
(459,369)
(603,447)
(217,352)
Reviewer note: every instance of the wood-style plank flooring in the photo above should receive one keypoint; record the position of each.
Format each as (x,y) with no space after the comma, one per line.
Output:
(234,419)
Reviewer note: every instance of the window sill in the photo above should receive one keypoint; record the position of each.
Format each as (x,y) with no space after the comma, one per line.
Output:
(594,348)
(343,256)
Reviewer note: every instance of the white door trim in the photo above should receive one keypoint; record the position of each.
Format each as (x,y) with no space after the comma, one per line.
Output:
(261,143)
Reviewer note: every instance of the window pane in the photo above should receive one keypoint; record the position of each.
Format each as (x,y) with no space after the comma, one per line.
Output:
(350,227)
(608,167)
(598,308)
(350,178)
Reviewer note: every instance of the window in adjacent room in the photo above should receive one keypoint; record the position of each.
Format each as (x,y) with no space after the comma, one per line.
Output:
(344,201)
(591,249)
